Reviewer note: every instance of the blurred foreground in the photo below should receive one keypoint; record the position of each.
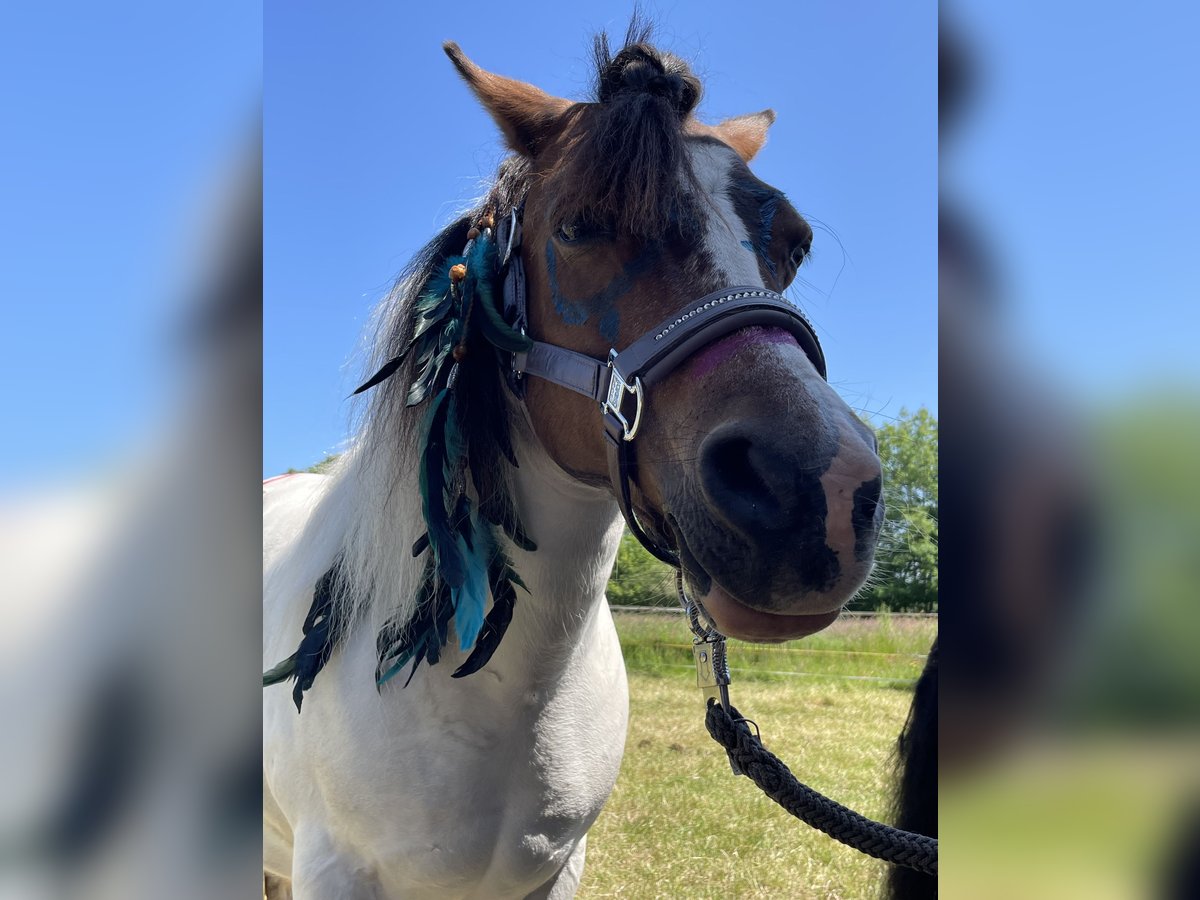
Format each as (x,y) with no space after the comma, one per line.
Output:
(129,510)
(1070,406)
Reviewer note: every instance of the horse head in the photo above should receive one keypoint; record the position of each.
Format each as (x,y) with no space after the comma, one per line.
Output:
(750,471)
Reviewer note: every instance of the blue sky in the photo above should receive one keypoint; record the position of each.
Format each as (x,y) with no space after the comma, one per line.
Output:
(1078,161)
(118,118)
(372,143)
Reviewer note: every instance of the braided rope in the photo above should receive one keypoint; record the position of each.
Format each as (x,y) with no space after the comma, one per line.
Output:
(903,848)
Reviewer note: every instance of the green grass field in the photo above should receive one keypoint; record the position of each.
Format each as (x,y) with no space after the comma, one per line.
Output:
(679,824)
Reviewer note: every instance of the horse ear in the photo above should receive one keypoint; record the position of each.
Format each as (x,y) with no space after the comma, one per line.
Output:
(746,134)
(524,113)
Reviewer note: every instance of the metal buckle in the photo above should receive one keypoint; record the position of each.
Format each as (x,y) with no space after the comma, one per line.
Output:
(514,225)
(517,364)
(617,389)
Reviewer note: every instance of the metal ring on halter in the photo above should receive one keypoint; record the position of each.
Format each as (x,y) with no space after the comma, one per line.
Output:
(618,387)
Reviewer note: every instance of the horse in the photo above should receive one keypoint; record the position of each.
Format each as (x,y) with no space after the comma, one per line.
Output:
(620,222)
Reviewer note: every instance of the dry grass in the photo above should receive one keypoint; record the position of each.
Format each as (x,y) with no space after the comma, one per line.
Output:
(679,824)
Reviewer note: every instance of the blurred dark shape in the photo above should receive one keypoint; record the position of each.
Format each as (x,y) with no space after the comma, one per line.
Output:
(1069,542)
(955,74)
(226,317)
(1181,879)
(917,776)
(1016,501)
(113,740)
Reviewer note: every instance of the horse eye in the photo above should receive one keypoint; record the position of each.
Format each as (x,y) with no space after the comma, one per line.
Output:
(801,247)
(569,232)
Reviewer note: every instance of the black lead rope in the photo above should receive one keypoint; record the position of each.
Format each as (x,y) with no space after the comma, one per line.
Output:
(747,756)
(765,769)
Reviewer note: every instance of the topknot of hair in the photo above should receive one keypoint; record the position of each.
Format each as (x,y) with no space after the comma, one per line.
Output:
(639,69)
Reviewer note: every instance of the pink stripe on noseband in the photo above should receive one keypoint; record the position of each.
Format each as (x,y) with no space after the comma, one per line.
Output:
(719,351)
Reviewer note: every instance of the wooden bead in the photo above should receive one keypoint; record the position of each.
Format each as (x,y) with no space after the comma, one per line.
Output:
(460,352)
(458,273)
(472,234)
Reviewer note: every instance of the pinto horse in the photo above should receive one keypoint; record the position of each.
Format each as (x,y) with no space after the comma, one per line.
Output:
(750,474)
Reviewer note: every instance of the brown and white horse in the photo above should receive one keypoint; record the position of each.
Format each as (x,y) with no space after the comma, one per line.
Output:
(749,466)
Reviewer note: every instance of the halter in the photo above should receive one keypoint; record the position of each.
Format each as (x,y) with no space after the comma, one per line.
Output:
(621,383)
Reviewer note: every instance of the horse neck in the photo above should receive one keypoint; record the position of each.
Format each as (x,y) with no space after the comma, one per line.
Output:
(577,529)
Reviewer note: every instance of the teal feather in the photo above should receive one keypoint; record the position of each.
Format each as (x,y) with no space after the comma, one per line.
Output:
(496,330)
(438,286)
(492,326)
(470,599)
(432,361)
(501,578)
(382,678)
(280,672)
(475,541)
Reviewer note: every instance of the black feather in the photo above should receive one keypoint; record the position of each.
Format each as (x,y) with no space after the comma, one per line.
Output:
(423,637)
(322,629)
(440,455)
(496,507)
(420,545)
(389,369)
(501,578)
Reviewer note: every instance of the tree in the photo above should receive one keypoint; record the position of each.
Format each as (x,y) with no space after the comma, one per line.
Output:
(638,579)
(906,576)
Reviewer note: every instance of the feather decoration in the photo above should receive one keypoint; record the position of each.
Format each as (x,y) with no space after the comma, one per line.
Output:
(501,578)
(434,305)
(387,371)
(280,671)
(322,630)
(420,545)
(495,507)
(491,324)
(466,563)
(431,363)
(440,460)
(470,598)
(423,637)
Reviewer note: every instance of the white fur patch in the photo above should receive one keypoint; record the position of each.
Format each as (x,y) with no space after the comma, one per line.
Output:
(724,232)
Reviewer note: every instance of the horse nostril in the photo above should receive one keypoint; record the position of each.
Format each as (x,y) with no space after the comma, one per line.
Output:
(740,481)
(866,501)
(731,463)
(865,507)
